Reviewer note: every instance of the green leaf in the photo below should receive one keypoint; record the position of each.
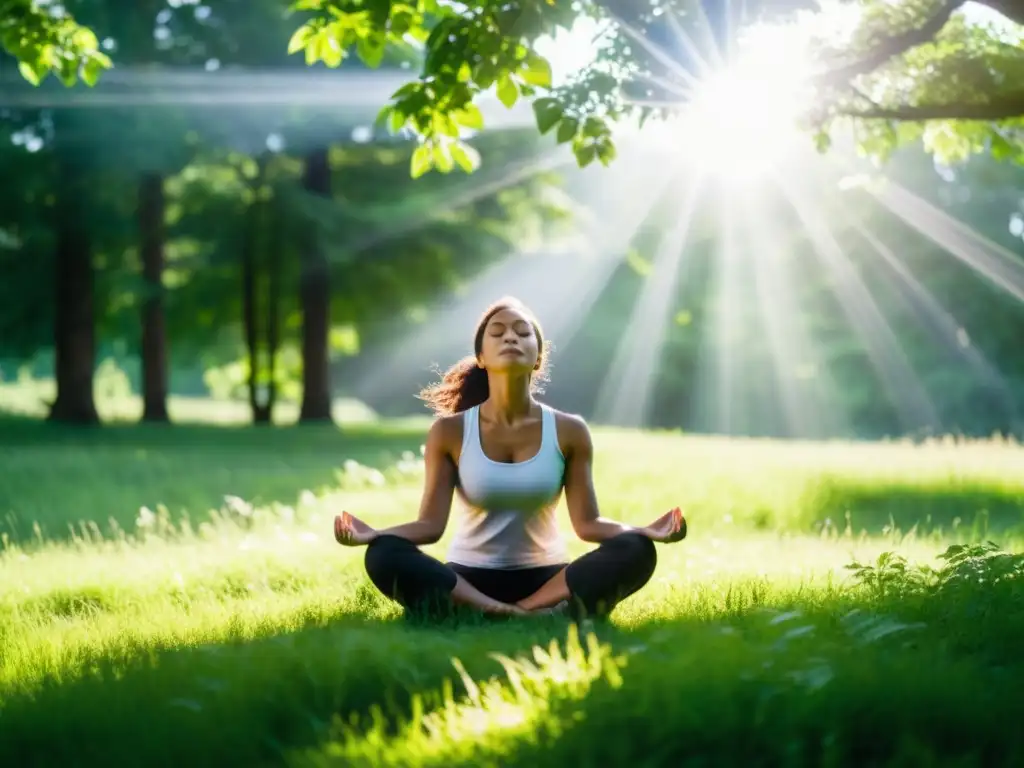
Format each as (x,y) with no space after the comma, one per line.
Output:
(469,117)
(331,51)
(1001,148)
(299,39)
(485,74)
(422,160)
(84,39)
(822,141)
(508,94)
(68,71)
(406,90)
(585,154)
(567,130)
(396,121)
(91,71)
(537,71)
(548,112)
(442,158)
(443,125)
(28,72)
(313,50)
(606,152)
(371,49)
(467,158)
(595,128)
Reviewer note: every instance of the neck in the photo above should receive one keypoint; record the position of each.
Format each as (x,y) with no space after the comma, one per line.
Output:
(509,397)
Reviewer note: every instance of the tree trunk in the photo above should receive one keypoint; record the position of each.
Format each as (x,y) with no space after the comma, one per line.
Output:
(314,296)
(74,336)
(261,411)
(154,327)
(276,263)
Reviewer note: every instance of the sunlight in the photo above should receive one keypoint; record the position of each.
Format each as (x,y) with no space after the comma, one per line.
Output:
(569,51)
(742,120)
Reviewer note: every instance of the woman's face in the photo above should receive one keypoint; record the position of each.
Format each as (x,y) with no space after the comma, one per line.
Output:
(509,343)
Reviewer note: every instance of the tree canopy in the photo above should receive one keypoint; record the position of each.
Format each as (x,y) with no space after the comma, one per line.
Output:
(929,70)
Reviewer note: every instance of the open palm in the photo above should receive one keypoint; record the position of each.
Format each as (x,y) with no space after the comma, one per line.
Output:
(350,531)
(669,528)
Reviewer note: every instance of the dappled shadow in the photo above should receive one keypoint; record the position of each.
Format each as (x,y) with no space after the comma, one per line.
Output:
(970,509)
(756,676)
(243,702)
(56,476)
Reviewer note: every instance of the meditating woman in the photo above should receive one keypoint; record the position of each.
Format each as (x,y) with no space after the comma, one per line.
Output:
(509,457)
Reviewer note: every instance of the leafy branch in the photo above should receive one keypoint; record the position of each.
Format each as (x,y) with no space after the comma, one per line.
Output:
(46,39)
(466,53)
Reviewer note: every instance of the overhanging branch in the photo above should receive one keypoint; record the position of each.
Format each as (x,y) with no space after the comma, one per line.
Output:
(1005,107)
(892,46)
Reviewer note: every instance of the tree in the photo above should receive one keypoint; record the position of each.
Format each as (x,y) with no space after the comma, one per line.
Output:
(911,70)
(921,70)
(906,64)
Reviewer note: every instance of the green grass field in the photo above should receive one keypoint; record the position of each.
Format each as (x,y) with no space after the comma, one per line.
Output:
(174,596)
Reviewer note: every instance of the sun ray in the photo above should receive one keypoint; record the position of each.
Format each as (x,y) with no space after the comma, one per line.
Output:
(805,386)
(913,405)
(625,395)
(717,405)
(991,260)
(942,325)
(561,283)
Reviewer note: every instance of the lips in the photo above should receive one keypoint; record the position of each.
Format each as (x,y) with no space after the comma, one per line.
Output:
(511,352)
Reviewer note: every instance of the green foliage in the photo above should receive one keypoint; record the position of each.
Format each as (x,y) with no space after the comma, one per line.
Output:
(466,51)
(957,91)
(967,567)
(46,39)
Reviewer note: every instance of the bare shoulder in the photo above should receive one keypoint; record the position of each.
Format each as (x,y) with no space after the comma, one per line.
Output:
(573,433)
(445,435)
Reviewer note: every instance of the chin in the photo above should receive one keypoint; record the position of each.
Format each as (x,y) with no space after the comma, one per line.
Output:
(513,365)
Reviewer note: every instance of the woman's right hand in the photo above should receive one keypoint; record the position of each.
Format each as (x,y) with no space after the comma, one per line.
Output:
(350,531)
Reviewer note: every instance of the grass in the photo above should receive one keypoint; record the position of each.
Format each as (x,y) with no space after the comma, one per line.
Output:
(211,631)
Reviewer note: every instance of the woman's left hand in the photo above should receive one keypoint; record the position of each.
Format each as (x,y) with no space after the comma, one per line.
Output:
(668,529)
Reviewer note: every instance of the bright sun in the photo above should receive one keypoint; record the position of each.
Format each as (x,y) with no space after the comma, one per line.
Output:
(736,123)
(741,122)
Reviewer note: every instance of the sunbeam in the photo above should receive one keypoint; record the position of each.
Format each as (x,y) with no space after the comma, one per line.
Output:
(551,160)
(625,394)
(805,386)
(942,325)
(911,401)
(718,404)
(994,262)
(560,284)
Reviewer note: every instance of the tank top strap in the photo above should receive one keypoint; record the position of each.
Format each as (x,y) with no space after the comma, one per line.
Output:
(549,431)
(470,426)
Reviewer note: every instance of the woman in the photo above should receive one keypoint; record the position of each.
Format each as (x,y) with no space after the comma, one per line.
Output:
(509,457)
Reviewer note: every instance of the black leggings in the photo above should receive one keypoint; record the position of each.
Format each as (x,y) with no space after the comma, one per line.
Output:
(597,581)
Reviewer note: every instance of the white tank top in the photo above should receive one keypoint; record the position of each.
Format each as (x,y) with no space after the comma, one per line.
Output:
(509,517)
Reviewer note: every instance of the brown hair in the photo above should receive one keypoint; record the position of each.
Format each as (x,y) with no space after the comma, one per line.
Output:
(465,384)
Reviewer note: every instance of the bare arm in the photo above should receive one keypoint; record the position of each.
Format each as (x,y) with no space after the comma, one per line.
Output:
(580,496)
(438,488)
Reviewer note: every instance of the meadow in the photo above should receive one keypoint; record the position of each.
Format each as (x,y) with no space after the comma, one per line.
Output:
(174,596)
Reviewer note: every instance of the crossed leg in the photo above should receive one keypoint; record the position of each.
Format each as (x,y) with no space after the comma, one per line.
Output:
(592,584)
